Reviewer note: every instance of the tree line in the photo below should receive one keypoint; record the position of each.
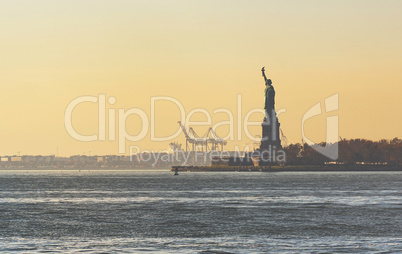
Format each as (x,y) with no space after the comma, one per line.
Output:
(350,151)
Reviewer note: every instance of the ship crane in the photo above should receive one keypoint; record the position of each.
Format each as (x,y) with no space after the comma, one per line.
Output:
(214,140)
(210,141)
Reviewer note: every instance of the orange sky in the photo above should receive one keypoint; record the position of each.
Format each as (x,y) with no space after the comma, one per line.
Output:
(202,53)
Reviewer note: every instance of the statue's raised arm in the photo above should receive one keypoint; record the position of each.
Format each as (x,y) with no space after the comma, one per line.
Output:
(269,96)
(263,73)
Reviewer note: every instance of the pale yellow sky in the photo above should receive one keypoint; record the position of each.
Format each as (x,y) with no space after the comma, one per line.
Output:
(202,53)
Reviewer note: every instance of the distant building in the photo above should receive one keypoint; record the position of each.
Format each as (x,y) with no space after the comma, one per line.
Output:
(16,159)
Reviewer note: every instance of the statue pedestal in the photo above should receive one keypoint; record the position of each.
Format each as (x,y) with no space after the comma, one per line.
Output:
(270,142)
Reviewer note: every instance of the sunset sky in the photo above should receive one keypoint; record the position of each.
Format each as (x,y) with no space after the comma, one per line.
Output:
(203,54)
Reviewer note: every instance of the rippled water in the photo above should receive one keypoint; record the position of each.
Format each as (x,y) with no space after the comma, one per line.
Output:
(238,212)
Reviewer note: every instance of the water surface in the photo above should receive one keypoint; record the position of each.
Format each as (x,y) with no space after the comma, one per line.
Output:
(235,212)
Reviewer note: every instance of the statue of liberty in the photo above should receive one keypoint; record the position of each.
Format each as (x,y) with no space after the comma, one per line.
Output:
(270,140)
(269,98)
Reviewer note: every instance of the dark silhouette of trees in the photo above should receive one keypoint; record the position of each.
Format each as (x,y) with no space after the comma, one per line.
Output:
(350,151)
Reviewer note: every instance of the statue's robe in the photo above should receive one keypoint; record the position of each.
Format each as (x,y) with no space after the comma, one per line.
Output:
(269,100)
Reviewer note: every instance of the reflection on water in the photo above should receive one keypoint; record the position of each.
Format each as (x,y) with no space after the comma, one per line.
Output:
(154,211)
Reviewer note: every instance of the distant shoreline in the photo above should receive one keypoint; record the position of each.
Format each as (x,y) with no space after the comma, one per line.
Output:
(290,168)
(286,168)
(83,168)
